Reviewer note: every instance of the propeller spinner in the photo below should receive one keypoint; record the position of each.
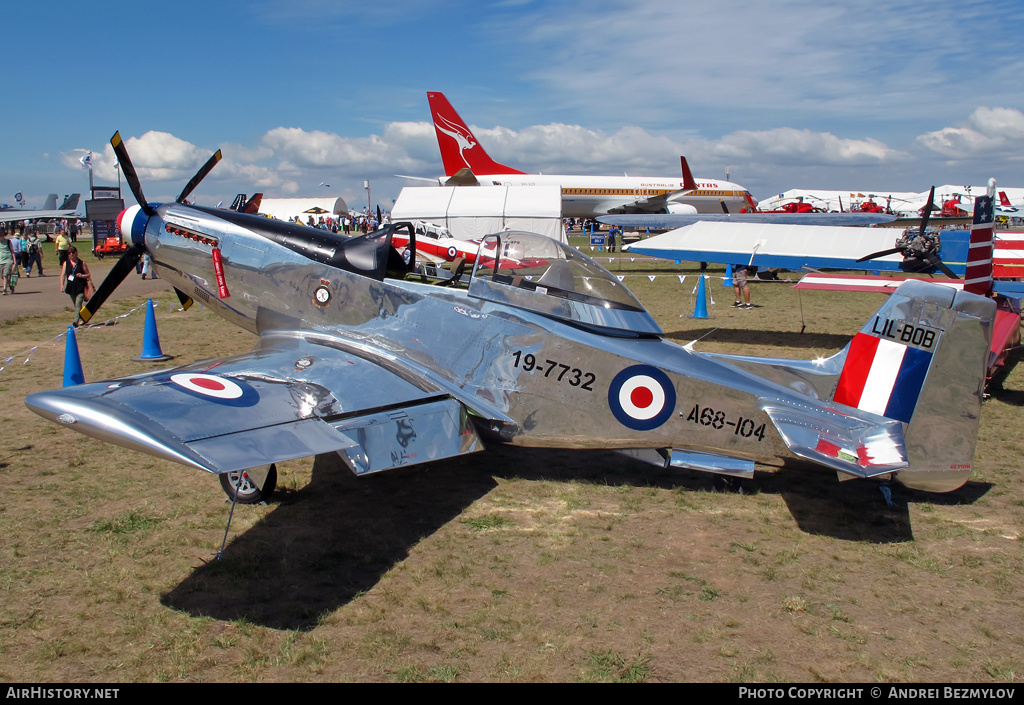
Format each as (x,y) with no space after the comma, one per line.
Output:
(132,223)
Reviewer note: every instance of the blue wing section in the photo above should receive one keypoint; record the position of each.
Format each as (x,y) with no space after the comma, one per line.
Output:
(669,221)
(793,246)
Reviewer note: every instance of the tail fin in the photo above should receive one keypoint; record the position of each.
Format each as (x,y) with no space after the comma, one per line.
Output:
(922,360)
(70,202)
(688,182)
(460,149)
(51,203)
(1003,200)
(253,204)
(978,277)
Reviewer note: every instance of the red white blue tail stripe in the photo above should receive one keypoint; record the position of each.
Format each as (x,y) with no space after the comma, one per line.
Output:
(978,278)
(883,377)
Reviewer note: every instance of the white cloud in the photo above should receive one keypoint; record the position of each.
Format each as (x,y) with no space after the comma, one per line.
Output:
(786,145)
(296,149)
(988,131)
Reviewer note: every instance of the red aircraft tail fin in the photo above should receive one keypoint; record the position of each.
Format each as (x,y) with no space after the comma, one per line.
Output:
(688,182)
(1003,200)
(460,149)
(253,204)
(978,278)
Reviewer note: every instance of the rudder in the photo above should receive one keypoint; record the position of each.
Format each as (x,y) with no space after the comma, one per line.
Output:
(460,149)
(922,360)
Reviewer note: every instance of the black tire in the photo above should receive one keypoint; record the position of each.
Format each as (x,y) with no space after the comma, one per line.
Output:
(248,493)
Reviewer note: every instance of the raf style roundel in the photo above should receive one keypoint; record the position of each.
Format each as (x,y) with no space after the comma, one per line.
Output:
(220,390)
(642,397)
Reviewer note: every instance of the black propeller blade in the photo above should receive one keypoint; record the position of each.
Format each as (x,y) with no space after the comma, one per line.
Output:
(133,254)
(117,274)
(130,175)
(185,299)
(200,175)
(941,266)
(928,207)
(882,253)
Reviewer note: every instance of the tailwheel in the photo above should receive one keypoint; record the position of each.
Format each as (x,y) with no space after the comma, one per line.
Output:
(250,486)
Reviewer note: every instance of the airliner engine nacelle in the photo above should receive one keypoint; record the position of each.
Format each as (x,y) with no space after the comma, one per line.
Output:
(684,208)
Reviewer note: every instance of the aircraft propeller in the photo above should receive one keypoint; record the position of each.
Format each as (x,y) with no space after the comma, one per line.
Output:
(927,259)
(126,221)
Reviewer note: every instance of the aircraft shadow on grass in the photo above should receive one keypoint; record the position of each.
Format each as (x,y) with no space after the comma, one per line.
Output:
(329,542)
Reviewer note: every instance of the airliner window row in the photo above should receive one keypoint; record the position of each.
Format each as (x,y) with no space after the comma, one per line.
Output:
(637,192)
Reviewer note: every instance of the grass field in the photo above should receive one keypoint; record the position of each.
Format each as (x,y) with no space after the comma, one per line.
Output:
(511,565)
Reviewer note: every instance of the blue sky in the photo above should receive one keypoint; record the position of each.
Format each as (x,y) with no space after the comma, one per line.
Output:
(876,96)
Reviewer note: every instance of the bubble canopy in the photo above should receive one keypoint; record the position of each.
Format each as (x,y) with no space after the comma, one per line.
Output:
(536,273)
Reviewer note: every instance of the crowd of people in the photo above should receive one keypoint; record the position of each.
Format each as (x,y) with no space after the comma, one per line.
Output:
(23,248)
(346,225)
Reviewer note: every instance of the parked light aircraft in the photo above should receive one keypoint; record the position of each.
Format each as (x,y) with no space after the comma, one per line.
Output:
(356,358)
(789,246)
(49,210)
(466,163)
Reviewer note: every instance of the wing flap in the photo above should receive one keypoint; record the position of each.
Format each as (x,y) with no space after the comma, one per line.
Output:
(408,436)
(260,446)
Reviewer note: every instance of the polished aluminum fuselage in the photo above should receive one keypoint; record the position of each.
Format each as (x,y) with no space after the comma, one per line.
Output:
(477,350)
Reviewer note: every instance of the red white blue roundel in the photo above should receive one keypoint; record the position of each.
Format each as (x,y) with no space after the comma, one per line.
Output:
(216,389)
(642,397)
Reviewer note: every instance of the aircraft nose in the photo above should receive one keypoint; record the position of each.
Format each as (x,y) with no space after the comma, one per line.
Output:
(132,223)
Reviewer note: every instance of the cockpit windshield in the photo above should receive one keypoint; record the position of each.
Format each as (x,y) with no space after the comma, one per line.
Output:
(538,273)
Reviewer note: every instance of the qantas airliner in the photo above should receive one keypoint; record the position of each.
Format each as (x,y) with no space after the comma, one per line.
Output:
(466,163)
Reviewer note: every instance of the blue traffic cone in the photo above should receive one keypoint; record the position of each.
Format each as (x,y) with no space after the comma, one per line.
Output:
(701,309)
(73,373)
(728,276)
(151,351)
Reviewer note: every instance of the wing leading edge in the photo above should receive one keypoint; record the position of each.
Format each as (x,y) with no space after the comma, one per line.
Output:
(290,398)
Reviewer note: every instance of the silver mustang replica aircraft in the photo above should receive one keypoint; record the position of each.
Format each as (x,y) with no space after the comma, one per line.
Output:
(359,355)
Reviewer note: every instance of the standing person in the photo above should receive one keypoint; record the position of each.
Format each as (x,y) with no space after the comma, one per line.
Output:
(75,281)
(35,254)
(6,262)
(15,245)
(739,280)
(61,245)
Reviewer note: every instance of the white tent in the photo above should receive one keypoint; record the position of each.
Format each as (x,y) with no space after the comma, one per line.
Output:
(470,212)
(288,208)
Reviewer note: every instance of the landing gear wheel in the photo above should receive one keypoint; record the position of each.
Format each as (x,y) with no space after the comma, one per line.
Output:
(727,483)
(248,491)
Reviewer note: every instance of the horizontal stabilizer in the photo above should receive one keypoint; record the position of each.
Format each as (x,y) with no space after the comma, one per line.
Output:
(852,444)
(861,282)
(463,177)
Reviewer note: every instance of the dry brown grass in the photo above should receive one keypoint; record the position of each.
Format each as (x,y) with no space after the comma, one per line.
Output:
(512,565)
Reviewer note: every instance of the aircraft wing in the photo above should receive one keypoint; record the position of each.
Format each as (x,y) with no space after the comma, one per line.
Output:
(12,216)
(668,221)
(294,396)
(790,246)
